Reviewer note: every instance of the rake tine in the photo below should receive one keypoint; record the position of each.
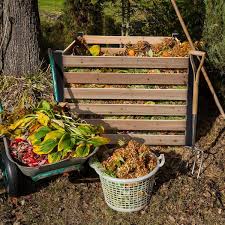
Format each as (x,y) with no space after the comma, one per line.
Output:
(198,154)
(194,164)
(201,164)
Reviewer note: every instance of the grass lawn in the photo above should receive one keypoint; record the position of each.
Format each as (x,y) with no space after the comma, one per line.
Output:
(51,6)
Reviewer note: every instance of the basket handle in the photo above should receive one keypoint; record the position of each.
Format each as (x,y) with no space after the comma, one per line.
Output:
(161,159)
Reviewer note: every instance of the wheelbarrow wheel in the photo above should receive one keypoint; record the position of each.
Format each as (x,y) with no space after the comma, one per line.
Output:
(15,181)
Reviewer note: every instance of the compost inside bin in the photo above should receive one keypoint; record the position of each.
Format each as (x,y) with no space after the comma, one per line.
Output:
(169,47)
(131,161)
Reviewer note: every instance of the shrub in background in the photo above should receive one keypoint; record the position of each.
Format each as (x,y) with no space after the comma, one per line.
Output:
(214,37)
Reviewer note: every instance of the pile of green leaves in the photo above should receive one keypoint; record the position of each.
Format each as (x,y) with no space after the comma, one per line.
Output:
(52,132)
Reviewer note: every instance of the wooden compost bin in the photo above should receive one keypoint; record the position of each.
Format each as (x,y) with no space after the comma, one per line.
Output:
(135,116)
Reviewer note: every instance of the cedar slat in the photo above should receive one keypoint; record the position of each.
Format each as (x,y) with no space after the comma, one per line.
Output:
(129,109)
(125,78)
(94,39)
(125,93)
(149,139)
(126,62)
(112,50)
(132,124)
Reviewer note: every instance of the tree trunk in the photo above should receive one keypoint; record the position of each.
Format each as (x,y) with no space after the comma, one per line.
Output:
(128,18)
(20,37)
(123,18)
(1,31)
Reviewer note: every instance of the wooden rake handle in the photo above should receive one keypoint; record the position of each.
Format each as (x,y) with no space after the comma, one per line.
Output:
(202,60)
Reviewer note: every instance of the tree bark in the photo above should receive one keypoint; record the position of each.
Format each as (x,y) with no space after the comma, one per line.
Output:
(20,36)
(123,17)
(1,31)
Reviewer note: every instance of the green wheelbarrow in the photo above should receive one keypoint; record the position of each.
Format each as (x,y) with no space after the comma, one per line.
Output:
(19,179)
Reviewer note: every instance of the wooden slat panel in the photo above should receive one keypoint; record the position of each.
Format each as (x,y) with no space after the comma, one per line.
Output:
(112,50)
(125,78)
(149,139)
(129,109)
(125,93)
(132,124)
(94,39)
(126,62)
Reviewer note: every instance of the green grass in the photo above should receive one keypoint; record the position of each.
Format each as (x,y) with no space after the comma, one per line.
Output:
(51,6)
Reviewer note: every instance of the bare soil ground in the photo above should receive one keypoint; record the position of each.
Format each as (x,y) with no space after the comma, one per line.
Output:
(178,197)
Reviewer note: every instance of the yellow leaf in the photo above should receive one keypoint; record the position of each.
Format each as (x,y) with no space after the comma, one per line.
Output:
(39,134)
(27,121)
(3,130)
(95,50)
(18,131)
(65,142)
(82,150)
(100,129)
(51,140)
(98,141)
(54,157)
(43,119)
(47,147)
(16,124)
(36,149)
(57,124)
(54,135)
(33,140)
(34,127)
(74,155)
(20,123)
(150,103)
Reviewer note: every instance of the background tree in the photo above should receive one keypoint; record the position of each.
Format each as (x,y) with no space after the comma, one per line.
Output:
(157,17)
(20,35)
(1,32)
(83,15)
(214,32)
(126,13)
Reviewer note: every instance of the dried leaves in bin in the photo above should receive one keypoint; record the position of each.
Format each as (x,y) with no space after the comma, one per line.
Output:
(80,46)
(168,47)
(141,48)
(132,161)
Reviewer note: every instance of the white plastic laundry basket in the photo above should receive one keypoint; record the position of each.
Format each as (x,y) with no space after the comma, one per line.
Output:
(127,195)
